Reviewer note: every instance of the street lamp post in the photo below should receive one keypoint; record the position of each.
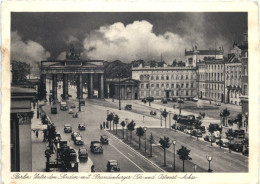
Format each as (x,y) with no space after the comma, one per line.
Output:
(145,129)
(209,158)
(173,143)
(194,167)
(119,75)
(169,119)
(161,116)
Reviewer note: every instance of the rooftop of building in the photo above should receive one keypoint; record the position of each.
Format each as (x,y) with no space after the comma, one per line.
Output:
(219,51)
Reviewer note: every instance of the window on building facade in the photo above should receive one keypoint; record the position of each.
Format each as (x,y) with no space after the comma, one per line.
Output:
(187,85)
(147,86)
(218,86)
(167,85)
(142,86)
(218,76)
(162,77)
(167,77)
(182,85)
(191,85)
(172,85)
(181,76)
(157,85)
(162,85)
(187,92)
(151,77)
(152,85)
(141,77)
(187,77)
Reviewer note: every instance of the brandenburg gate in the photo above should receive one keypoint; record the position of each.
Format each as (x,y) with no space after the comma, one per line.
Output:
(73,65)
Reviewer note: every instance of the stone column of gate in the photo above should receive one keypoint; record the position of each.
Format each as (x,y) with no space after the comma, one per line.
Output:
(91,88)
(80,86)
(54,87)
(65,86)
(101,86)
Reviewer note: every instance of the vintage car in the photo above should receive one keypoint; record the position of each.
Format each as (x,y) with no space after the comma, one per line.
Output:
(245,151)
(203,129)
(74,135)
(67,128)
(128,107)
(112,165)
(104,139)
(53,109)
(237,147)
(63,106)
(209,138)
(78,140)
(150,99)
(96,147)
(73,105)
(81,126)
(196,133)
(239,133)
(153,113)
(223,142)
(70,111)
(83,154)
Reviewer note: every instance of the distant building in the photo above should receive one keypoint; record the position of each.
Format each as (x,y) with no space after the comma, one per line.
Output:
(192,57)
(211,82)
(166,81)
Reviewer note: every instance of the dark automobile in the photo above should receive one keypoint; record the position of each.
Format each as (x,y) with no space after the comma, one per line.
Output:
(153,113)
(237,147)
(81,126)
(208,138)
(78,140)
(196,133)
(164,100)
(83,153)
(104,139)
(239,133)
(150,99)
(74,135)
(96,147)
(128,107)
(67,128)
(203,130)
(245,151)
(112,165)
(53,109)
(144,100)
(223,142)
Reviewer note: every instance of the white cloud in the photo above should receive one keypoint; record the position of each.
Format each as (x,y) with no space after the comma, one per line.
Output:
(62,56)
(27,51)
(131,42)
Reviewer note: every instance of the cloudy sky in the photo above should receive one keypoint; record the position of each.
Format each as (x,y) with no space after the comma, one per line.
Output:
(121,36)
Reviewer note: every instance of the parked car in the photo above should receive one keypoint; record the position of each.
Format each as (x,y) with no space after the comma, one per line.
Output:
(112,165)
(128,107)
(73,105)
(237,147)
(67,128)
(151,99)
(208,138)
(239,133)
(78,140)
(164,100)
(223,142)
(70,111)
(217,135)
(203,129)
(53,109)
(104,139)
(96,147)
(245,151)
(83,154)
(153,113)
(81,126)
(74,135)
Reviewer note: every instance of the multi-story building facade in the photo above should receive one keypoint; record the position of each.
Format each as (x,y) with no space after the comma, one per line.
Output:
(192,57)
(165,82)
(211,79)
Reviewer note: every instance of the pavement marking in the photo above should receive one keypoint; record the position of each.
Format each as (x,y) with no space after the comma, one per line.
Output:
(130,155)
(139,154)
(127,158)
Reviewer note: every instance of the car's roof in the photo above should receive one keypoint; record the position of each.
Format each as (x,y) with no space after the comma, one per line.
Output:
(82,124)
(78,138)
(67,125)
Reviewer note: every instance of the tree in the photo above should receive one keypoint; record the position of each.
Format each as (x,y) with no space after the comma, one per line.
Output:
(19,71)
(211,130)
(184,153)
(239,119)
(139,133)
(174,63)
(131,127)
(175,118)
(165,114)
(115,121)
(123,125)
(151,141)
(110,117)
(165,145)
(224,114)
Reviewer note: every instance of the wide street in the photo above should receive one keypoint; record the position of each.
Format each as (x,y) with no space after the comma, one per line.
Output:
(129,158)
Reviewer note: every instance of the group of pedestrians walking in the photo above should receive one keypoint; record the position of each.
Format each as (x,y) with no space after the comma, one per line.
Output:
(104,125)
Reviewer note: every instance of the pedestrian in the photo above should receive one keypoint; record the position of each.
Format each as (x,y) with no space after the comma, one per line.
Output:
(107,124)
(33,104)
(37,133)
(104,124)
(92,168)
(100,126)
